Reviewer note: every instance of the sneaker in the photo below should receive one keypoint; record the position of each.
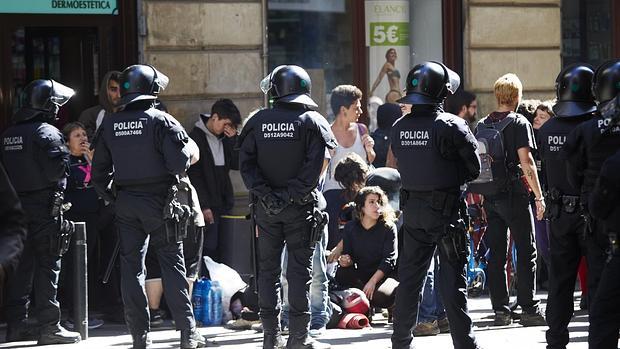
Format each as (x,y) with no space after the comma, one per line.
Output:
(426,329)
(157,317)
(316,332)
(258,327)
(240,324)
(502,319)
(533,319)
(444,325)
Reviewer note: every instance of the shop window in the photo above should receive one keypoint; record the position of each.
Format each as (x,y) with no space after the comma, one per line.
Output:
(316,35)
(586,31)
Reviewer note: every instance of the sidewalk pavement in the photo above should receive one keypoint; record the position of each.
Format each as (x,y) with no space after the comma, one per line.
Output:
(377,337)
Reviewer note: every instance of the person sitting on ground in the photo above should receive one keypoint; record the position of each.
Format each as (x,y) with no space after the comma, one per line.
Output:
(351,172)
(368,259)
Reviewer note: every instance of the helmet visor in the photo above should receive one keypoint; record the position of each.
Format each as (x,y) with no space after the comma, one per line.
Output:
(454,81)
(161,80)
(265,84)
(60,93)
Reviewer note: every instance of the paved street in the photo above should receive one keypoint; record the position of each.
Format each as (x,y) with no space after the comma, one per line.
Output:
(377,337)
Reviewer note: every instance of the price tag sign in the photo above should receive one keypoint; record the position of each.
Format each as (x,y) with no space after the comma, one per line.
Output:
(389,34)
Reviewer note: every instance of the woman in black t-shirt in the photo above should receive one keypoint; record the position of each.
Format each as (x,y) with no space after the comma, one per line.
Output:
(368,258)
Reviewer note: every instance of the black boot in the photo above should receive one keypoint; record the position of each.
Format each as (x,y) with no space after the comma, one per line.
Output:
(191,339)
(305,343)
(298,333)
(273,341)
(141,340)
(57,335)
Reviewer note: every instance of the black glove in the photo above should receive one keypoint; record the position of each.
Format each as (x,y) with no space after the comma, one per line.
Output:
(273,203)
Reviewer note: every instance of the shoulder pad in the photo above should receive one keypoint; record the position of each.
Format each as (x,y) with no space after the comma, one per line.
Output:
(51,140)
(317,122)
(172,127)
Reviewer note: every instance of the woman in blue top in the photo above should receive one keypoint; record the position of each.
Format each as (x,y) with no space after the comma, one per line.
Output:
(368,259)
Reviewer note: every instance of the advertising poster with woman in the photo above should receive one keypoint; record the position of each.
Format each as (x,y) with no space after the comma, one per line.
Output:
(387,39)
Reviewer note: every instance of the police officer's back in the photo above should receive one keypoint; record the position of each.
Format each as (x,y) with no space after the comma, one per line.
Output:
(144,149)
(603,205)
(435,153)
(281,156)
(566,226)
(37,162)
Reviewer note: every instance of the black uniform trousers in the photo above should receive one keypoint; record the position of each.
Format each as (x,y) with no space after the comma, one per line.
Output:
(292,227)
(423,228)
(567,245)
(139,219)
(38,269)
(511,211)
(605,308)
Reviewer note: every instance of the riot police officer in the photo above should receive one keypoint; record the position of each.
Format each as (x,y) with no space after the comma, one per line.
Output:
(606,303)
(603,203)
(585,149)
(435,153)
(281,156)
(568,243)
(145,150)
(37,162)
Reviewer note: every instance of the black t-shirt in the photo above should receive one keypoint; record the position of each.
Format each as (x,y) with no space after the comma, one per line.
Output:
(371,249)
(518,134)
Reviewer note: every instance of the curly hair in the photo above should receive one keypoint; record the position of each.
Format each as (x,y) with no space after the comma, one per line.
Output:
(351,172)
(387,215)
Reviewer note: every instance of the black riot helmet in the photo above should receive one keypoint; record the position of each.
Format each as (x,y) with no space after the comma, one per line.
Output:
(42,98)
(430,83)
(606,84)
(141,82)
(289,84)
(573,87)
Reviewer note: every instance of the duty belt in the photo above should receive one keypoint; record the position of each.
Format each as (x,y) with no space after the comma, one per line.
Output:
(444,201)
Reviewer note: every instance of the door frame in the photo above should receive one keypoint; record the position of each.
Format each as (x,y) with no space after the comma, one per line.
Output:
(124,43)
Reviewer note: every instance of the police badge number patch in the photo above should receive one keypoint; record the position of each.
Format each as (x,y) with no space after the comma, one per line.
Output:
(279,131)
(413,138)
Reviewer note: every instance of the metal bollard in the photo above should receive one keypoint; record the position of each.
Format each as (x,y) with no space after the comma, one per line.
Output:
(80,284)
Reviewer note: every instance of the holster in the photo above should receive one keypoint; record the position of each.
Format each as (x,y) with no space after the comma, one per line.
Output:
(176,230)
(570,204)
(554,204)
(455,242)
(61,240)
(318,221)
(177,217)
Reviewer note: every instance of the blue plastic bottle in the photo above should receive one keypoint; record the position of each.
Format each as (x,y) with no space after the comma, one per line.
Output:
(197,299)
(216,305)
(206,304)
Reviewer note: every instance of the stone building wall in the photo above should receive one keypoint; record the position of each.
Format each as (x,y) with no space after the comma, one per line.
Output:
(518,36)
(209,49)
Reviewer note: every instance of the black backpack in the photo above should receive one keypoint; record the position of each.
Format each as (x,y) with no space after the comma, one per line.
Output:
(494,174)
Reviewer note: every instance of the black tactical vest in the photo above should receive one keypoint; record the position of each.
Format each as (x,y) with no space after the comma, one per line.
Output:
(280,143)
(421,166)
(598,148)
(552,136)
(134,138)
(22,154)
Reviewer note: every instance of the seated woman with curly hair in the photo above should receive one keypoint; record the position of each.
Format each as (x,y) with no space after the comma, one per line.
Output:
(368,259)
